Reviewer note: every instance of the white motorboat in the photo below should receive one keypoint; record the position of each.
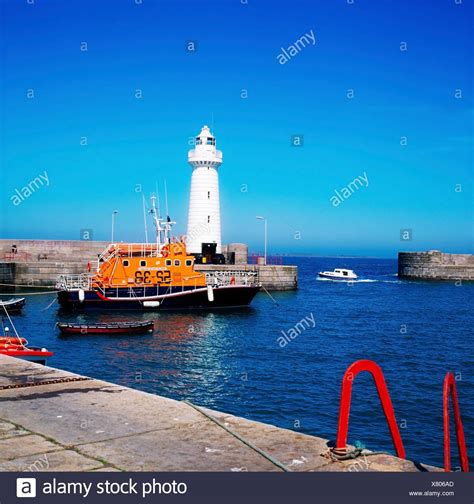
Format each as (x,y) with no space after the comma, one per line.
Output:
(338,274)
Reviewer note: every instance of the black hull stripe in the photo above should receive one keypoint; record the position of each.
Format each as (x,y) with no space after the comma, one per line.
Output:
(224,297)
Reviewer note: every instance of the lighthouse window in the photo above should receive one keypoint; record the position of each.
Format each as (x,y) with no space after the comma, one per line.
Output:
(208,219)
(126,263)
(208,194)
(177,262)
(142,263)
(198,141)
(189,262)
(211,141)
(168,262)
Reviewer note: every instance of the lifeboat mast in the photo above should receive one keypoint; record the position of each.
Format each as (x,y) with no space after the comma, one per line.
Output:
(162,226)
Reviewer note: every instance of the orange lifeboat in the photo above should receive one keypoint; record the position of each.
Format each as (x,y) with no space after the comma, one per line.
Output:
(155,276)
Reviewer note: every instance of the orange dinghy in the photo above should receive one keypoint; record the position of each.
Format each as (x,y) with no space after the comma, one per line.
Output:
(32,354)
(14,346)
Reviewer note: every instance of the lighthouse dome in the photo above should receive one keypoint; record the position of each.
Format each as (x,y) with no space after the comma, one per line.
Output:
(205,137)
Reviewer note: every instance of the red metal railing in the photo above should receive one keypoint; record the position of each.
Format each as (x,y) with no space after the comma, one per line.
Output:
(15,256)
(352,371)
(449,387)
(271,260)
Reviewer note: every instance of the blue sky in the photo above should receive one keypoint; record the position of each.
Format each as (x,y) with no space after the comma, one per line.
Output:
(397,93)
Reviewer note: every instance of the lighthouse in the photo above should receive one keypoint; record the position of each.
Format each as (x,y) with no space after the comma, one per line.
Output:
(204,218)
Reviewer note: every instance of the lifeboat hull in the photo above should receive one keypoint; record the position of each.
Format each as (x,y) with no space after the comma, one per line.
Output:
(148,300)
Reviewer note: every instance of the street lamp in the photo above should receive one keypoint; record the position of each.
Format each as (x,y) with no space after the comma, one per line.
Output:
(114,213)
(259,217)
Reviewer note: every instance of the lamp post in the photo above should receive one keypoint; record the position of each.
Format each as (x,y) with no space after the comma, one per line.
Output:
(114,213)
(259,217)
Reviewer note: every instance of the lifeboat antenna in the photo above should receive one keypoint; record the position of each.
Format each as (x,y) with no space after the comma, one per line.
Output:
(158,199)
(168,223)
(160,229)
(144,218)
(166,201)
(156,221)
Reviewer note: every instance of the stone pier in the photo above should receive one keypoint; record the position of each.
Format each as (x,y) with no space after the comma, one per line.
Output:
(435,265)
(52,420)
(39,262)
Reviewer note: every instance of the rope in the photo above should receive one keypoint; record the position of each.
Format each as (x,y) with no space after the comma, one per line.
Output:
(240,438)
(13,325)
(50,304)
(271,297)
(28,293)
(164,295)
(339,455)
(335,456)
(29,286)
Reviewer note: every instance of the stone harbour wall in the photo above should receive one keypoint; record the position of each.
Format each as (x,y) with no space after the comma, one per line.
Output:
(435,265)
(39,262)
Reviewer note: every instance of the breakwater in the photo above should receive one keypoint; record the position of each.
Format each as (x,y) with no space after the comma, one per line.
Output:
(53,420)
(39,262)
(435,265)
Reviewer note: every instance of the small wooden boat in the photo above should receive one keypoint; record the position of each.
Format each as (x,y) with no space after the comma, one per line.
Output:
(13,304)
(111,328)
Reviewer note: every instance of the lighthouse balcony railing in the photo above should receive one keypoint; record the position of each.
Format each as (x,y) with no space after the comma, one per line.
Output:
(232,277)
(74,282)
(193,154)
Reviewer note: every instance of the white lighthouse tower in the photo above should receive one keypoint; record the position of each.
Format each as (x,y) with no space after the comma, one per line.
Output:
(204,217)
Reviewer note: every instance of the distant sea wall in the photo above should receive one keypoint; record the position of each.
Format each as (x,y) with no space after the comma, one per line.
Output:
(435,265)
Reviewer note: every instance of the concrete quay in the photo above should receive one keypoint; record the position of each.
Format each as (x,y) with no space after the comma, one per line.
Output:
(53,420)
(435,265)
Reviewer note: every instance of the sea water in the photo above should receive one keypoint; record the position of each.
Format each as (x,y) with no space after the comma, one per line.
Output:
(235,361)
